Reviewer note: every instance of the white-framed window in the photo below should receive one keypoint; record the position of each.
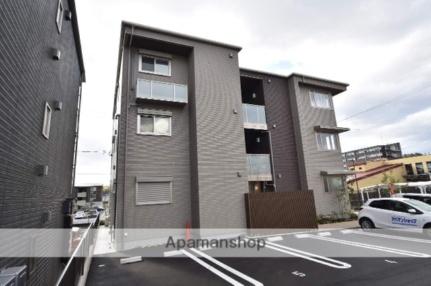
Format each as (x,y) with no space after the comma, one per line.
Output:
(321,100)
(334,183)
(59,16)
(327,141)
(154,65)
(167,91)
(149,124)
(153,192)
(47,121)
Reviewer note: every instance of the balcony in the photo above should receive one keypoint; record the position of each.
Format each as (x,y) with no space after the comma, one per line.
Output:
(161,91)
(254,116)
(259,167)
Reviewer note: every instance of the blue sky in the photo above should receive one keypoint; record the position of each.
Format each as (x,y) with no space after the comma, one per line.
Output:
(381,48)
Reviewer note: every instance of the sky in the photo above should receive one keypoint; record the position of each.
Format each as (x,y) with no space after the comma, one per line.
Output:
(381,48)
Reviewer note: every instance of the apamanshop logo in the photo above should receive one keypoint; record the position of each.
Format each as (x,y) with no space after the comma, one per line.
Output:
(403,220)
(237,242)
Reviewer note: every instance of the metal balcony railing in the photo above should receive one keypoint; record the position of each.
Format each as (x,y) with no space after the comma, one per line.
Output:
(254,116)
(259,167)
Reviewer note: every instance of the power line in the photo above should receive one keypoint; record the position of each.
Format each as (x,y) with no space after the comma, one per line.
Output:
(399,97)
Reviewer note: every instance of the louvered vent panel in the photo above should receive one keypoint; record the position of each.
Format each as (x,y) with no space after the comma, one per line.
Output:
(153,193)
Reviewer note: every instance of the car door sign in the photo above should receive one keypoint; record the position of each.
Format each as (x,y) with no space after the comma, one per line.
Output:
(401,220)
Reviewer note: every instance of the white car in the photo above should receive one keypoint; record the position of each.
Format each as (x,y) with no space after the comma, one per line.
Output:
(396,213)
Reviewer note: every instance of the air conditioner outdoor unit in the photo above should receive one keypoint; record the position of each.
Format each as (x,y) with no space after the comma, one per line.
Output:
(17,273)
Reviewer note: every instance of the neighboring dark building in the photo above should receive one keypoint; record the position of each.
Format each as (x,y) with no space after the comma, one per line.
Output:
(388,151)
(193,133)
(41,72)
(89,196)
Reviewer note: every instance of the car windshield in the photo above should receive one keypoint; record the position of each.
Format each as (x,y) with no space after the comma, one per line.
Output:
(420,205)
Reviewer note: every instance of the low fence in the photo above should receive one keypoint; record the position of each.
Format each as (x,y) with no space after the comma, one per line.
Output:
(74,268)
(281,210)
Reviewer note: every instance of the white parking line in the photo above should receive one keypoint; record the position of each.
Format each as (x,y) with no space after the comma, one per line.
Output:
(326,233)
(371,246)
(228,268)
(274,238)
(308,256)
(411,239)
(212,269)
(172,253)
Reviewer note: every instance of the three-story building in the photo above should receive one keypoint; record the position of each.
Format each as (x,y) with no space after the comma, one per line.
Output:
(193,133)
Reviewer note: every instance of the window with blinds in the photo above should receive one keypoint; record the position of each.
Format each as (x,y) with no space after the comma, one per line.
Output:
(150,193)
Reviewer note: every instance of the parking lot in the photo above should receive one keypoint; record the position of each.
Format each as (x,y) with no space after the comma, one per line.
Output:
(327,257)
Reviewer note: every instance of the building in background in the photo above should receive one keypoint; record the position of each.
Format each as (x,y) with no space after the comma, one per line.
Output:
(383,171)
(359,156)
(417,168)
(41,72)
(90,196)
(193,133)
(374,173)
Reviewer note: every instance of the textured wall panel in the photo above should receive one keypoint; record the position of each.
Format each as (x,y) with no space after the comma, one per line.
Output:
(315,160)
(28,78)
(293,209)
(278,112)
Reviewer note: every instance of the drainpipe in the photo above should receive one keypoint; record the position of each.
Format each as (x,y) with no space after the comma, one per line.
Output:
(272,161)
(126,118)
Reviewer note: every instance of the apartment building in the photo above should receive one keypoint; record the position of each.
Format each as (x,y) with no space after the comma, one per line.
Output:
(41,72)
(89,196)
(193,133)
(359,156)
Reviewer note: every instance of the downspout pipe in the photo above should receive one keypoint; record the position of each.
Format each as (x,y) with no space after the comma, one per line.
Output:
(126,118)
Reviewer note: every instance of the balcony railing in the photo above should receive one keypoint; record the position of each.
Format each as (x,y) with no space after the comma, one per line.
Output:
(254,116)
(162,91)
(259,167)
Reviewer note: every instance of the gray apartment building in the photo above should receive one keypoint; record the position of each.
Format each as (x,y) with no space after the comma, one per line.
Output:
(388,151)
(41,72)
(194,132)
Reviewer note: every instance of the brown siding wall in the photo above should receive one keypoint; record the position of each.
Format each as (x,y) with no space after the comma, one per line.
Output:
(29,77)
(204,163)
(315,160)
(284,150)
(294,209)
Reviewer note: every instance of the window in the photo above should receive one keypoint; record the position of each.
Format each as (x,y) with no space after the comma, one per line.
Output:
(154,65)
(409,169)
(399,207)
(380,204)
(334,183)
(47,121)
(326,141)
(410,190)
(59,17)
(420,168)
(429,167)
(154,124)
(150,89)
(320,100)
(153,192)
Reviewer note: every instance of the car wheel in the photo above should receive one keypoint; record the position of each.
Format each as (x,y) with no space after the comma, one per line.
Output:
(427,231)
(367,224)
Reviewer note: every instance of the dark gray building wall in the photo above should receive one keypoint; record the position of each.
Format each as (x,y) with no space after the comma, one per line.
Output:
(159,156)
(220,138)
(215,149)
(316,161)
(278,112)
(29,78)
